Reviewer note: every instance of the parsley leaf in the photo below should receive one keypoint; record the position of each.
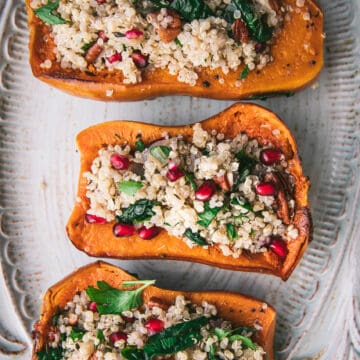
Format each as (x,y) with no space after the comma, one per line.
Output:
(195,237)
(221,333)
(238,200)
(114,301)
(178,42)
(247,343)
(160,153)
(76,333)
(191,179)
(244,73)
(246,165)
(208,215)
(50,354)
(87,46)
(100,335)
(140,145)
(231,232)
(132,353)
(129,187)
(138,212)
(45,13)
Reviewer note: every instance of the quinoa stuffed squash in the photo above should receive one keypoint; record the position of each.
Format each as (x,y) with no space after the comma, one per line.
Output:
(228,192)
(101,312)
(132,50)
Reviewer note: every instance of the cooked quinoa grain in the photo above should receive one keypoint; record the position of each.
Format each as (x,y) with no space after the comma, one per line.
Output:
(80,332)
(209,191)
(128,36)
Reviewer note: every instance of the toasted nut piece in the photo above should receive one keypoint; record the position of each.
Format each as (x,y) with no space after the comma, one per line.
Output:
(274,4)
(222,181)
(157,302)
(93,53)
(281,201)
(240,31)
(167,31)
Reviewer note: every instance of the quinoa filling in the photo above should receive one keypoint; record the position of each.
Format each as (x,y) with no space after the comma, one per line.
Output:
(232,194)
(181,36)
(113,324)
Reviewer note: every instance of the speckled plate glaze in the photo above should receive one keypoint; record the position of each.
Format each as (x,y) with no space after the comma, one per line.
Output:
(318,307)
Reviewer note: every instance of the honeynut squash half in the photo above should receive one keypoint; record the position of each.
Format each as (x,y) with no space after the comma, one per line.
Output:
(74,325)
(115,61)
(227,192)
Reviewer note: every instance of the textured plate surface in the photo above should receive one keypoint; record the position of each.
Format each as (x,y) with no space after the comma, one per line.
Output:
(319,306)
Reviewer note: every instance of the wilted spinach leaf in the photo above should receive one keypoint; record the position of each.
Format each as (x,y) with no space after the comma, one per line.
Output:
(246,165)
(76,333)
(45,13)
(50,354)
(195,237)
(208,215)
(137,213)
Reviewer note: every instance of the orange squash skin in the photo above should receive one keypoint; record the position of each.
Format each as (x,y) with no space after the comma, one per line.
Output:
(241,310)
(297,53)
(257,122)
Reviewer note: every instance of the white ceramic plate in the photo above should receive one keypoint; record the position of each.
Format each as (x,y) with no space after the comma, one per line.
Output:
(318,306)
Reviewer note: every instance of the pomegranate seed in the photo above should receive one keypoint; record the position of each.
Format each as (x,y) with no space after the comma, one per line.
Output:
(102,36)
(93,219)
(260,47)
(122,229)
(148,233)
(100,1)
(270,156)
(116,336)
(134,34)
(266,189)
(139,59)
(119,162)
(173,166)
(114,57)
(279,247)
(174,175)
(205,191)
(93,306)
(154,326)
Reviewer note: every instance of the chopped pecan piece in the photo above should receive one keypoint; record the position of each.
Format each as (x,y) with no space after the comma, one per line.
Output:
(274,4)
(156,302)
(240,31)
(281,200)
(93,53)
(223,182)
(167,24)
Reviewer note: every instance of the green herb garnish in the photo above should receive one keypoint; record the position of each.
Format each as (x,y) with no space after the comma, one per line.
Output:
(76,333)
(50,354)
(211,353)
(132,353)
(188,10)
(244,73)
(178,42)
(87,46)
(137,213)
(114,301)
(45,13)
(129,187)
(195,237)
(231,232)
(100,335)
(160,153)
(190,179)
(258,28)
(238,200)
(221,333)
(140,145)
(246,165)
(208,215)
(270,95)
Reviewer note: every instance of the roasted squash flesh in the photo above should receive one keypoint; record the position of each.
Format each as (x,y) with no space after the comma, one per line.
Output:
(256,122)
(240,310)
(297,54)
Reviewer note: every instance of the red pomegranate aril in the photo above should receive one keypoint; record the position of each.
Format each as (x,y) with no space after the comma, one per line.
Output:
(260,47)
(205,191)
(134,34)
(173,166)
(270,156)
(174,175)
(148,233)
(93,219)
(116,336)
(119,162)
(102,36)
(266,189)
(139,59)
(114,57)
(122,229)
(154,326)
(279,247)
(100,1)
(93,306)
